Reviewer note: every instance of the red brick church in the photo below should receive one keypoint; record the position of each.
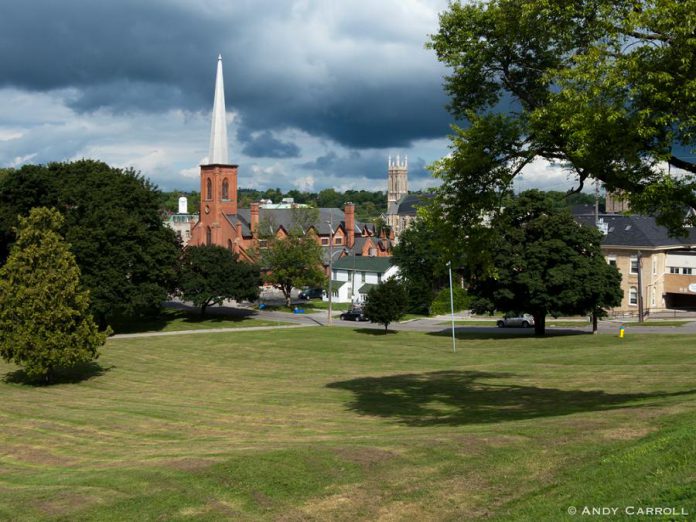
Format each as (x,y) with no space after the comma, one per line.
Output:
(222,223)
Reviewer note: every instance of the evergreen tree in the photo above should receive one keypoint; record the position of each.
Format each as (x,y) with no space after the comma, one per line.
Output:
(210,274)
(386,303)
(44,318)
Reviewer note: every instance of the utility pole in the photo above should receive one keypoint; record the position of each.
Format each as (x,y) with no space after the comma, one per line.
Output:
(596,220)
(331,234)
(454,342)
(640,287)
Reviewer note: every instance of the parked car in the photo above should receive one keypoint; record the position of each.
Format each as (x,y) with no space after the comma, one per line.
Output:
(354,314)
(512,320)
(311,293)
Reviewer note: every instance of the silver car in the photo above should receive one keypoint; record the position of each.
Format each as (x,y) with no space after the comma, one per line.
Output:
(516,321)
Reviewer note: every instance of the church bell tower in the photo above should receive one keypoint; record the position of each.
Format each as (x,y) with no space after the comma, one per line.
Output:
(218,176)
(397,179)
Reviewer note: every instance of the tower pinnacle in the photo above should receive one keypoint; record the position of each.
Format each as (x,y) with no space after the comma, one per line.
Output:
(218,152)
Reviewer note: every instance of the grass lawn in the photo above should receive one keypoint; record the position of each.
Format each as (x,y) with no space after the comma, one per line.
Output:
(342,424)
(171,320)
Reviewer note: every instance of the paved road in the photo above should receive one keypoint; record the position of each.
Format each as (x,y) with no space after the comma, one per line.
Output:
(435,324)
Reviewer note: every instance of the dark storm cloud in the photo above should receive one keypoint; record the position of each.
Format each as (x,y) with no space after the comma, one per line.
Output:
(265,145)
(156,55)
(363,165)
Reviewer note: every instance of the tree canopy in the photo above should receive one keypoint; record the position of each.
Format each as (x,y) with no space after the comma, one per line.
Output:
(127,257)
(605,88)
(386,303)
(210,274)
(544,262)
(422,263)
(44,318)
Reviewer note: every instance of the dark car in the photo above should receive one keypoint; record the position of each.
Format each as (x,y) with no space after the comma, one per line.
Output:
(311,293)
(355,314)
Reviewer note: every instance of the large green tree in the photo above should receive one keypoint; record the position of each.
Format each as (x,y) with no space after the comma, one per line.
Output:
(544,262)
(386,303)
(605,88)
(113,223)
(422,263)
(44,319)
(210,274)
(293,262)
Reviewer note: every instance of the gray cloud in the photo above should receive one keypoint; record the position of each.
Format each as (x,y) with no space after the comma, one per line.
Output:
(265,145)
(355,74)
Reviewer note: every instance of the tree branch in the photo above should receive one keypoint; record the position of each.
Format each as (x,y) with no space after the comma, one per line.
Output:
(682,164)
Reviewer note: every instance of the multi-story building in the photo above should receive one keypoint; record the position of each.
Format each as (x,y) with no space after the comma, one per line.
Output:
(657,268)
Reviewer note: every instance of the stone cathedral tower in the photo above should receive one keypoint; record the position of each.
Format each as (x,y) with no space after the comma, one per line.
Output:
(397,179)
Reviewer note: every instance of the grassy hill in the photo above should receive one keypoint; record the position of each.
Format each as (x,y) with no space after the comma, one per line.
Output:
(338,424)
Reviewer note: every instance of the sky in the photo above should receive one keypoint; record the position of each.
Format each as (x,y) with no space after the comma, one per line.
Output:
(319,92)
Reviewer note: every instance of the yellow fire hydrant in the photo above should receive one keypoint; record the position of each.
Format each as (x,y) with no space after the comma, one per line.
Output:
(621,332)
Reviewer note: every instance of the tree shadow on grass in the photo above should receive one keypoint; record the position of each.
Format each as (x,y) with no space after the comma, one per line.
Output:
(374,331)
(185,315)
(489,333)
(455,398)
(72,375)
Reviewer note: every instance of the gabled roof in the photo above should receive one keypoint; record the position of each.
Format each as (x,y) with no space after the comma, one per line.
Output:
(285,217)
(637,231)
(364,263)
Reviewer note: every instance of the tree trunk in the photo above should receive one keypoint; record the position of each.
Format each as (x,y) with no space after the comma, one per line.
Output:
(203,307)
(386,326)
(594,322)
(539,324)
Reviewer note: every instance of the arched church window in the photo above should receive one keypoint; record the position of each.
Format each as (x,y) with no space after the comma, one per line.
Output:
(208,236)
(225,189)
(229,244)
(208,189)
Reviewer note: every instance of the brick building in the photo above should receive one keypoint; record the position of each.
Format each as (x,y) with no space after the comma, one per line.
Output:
(222,223)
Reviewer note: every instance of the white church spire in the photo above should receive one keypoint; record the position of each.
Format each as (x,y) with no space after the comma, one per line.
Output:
(218,153)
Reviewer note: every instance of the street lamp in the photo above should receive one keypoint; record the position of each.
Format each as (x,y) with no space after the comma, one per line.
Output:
(454,343)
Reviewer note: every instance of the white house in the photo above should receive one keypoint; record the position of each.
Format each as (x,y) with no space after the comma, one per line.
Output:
(353,276)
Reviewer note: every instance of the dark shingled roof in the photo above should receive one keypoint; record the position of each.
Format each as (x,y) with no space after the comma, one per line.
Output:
(364,263)
(408,204)
(285,217)
(637,231)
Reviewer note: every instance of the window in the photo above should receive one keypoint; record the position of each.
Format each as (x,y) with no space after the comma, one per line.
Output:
(208,189)
(611,260)
(208,235)
(324,241)
(633,296)
(229,244)
(362,277)
(634,265)
(338,241)
(225,190)
(654,265)
(673,269)
(379,278)
(652,296)
(686,271)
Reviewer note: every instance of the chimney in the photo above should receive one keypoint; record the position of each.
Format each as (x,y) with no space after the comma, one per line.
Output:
(349,211)
(254,218)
